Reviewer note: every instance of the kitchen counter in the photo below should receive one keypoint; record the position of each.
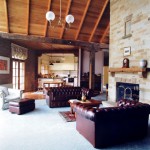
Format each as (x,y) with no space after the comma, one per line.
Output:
(49,82)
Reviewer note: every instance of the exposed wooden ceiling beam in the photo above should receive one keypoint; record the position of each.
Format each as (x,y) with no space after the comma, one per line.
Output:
(28,15)
(46,23)
(67,11)
(91,45)
(7,20)
(57,51)
(105,33)
(83,17)
(99,18)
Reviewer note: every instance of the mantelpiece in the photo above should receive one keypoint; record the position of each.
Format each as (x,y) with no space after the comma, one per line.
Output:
(142,71)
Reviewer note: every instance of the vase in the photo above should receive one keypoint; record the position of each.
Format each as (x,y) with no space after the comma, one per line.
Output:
(83,98)
(143,63)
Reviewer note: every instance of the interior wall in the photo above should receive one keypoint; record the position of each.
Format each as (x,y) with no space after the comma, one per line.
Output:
(138,41)
(5,51)
(30,66)
(31,82)
(99,62)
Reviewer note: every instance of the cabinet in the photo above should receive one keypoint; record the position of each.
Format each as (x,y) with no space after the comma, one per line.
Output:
(97,83)
(62,66)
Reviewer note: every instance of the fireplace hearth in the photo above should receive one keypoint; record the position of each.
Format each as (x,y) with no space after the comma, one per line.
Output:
(127,91)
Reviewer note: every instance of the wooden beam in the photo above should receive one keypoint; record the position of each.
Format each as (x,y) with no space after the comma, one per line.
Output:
(92,70)
(83,17)
(28,15)
(68,8)
(105,33)
(99,18)
(41,39)
(46,23)
(7,19)
(58,51)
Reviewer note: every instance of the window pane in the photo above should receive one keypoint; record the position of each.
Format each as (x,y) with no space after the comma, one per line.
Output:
(14,73)
(21,80)
(14,64)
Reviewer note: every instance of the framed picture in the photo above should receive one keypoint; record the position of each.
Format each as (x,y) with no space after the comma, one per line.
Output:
(4,65)
(127,51)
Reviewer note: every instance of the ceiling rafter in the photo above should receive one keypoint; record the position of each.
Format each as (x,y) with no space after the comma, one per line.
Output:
(7,20)
(46,23)
(67,11)
(28,15)
(99,18)
(105,32)
(83,17)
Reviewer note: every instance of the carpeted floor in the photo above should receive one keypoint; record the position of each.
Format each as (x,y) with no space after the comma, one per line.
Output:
(44,129)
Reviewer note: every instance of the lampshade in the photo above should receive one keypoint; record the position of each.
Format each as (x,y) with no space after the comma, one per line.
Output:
(69,18)
(50,16)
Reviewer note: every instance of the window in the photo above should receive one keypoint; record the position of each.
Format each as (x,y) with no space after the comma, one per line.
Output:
(18,76)
(44,69)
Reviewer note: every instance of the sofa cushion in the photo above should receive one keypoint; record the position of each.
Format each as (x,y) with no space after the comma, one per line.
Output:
(5,90)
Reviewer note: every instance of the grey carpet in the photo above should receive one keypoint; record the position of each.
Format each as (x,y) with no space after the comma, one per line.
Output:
(101,97)
(44,129)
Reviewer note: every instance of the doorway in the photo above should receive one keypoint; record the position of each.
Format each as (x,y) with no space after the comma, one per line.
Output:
(18,74)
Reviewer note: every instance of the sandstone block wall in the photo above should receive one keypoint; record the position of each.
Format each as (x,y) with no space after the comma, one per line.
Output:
(139,41)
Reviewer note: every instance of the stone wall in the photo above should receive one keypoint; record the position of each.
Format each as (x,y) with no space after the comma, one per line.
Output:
(139,41)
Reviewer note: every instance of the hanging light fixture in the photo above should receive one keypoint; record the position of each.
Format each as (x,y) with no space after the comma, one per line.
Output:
(50,62)
(50,16)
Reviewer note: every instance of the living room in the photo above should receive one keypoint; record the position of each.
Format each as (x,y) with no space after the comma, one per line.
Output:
(128,46)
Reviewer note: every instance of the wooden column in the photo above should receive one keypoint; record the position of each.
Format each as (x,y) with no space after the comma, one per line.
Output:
(92,69)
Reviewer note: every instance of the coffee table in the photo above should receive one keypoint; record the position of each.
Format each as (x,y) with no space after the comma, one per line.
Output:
(91,103)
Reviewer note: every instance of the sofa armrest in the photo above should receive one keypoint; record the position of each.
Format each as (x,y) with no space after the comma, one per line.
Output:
(87,112)
(2,94)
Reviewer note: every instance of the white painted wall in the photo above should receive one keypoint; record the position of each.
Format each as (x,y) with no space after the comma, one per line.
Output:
(98,62)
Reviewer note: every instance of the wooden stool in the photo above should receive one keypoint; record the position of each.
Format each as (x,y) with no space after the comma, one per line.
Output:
(21,107)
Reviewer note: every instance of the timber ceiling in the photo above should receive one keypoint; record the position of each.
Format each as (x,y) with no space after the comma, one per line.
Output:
(27,19)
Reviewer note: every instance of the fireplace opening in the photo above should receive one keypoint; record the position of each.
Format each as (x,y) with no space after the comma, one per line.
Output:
(127,91)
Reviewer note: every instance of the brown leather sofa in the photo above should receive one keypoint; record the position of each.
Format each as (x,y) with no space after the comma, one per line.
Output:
(59,96)
(105,127)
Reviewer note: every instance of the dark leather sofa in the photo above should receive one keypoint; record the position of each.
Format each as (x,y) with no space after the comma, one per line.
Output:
(59,96)
(105,127)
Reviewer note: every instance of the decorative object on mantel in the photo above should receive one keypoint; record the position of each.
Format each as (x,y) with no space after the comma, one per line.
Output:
(143,63)
(125,63)
(19,52)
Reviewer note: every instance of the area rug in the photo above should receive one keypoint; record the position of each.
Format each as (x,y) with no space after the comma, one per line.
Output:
(67,116)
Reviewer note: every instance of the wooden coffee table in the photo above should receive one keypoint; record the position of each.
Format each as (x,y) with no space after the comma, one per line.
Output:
(33,95)
(91,103)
